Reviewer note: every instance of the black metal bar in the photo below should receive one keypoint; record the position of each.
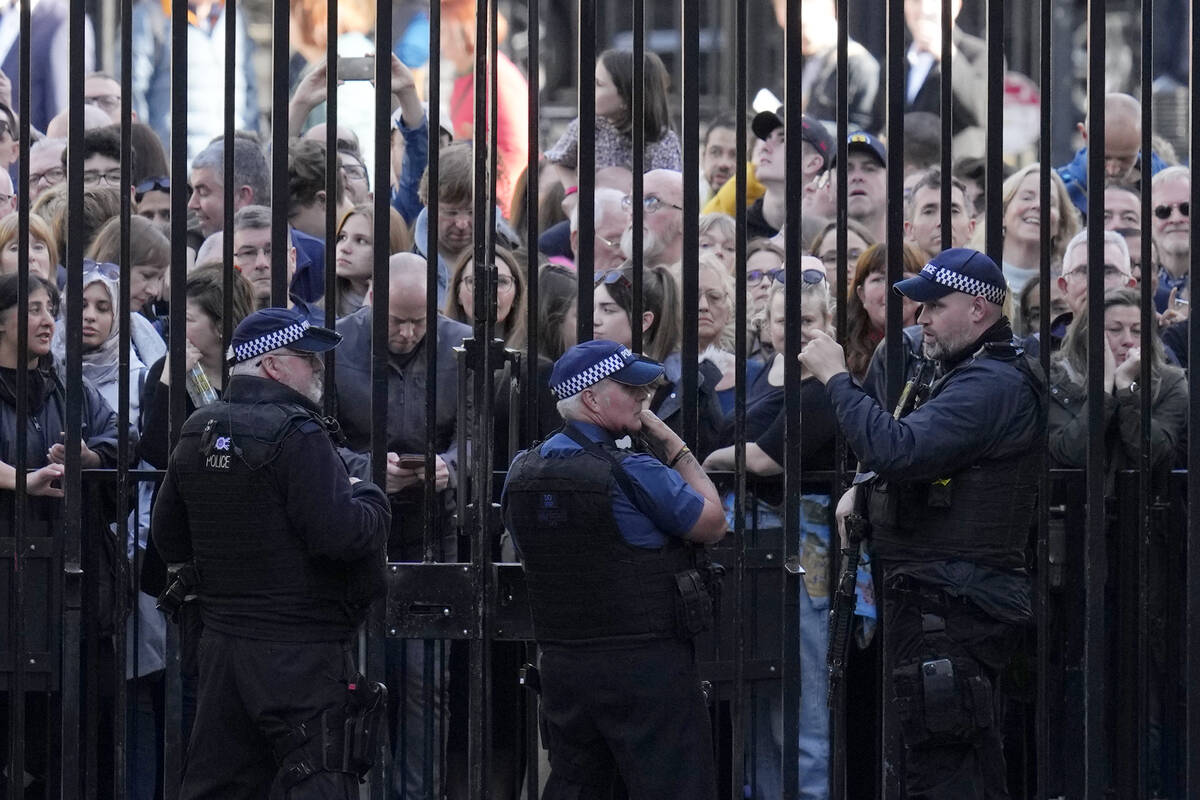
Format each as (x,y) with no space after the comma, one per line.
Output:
(737,717)
(174,746)
(994,236)
(946,65)
(1042,719)
(1146,488)
(637,190)
(793,246)
(585,263)
(530,395)
(690,264)
(16,719)
(1094,733)
(890,747)
(376,660)
(331,176)
(1192,634)
(280,235)
(229,180)
(121,727)
(432,530)
(72,482)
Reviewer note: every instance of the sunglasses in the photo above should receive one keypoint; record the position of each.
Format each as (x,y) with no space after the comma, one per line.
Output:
(105,268)
(779,274)
(1164,211)
(155,184)
(613,276)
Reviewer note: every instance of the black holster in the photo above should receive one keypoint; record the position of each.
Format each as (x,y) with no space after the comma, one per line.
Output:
(180,589)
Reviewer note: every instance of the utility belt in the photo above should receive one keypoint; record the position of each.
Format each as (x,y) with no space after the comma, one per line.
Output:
(339,740)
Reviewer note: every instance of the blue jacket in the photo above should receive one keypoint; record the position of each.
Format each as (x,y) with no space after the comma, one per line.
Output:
(1074,175)
(982,408)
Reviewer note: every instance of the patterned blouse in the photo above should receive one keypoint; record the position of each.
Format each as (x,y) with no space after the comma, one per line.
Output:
(615,149)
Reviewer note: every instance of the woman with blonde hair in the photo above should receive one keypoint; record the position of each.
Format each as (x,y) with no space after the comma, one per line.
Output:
(43,252)
(1021,207)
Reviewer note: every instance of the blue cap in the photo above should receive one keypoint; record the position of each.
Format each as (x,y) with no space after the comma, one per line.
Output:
(272,328)
(588,363)
(958,269)
(861,140)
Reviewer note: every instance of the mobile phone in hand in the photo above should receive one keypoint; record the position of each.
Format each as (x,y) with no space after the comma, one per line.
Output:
(411,461)
(356,68)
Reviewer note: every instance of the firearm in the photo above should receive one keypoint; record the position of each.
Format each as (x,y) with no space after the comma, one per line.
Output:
(858,528)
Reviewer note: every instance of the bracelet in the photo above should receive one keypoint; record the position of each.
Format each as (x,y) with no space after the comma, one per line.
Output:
(570,190)
(683,451)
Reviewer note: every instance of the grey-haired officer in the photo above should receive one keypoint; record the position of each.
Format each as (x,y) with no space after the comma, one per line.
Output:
(950,507)
(289,550)
(607,539)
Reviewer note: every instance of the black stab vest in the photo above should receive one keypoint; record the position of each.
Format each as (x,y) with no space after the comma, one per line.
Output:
(256,578)
(586,584)
(981,514)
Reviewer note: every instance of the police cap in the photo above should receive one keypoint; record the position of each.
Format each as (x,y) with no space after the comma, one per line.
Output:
(272,328)
(959,269)
(588,363)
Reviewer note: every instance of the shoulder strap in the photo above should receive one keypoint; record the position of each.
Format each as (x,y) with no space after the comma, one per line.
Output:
(619,473)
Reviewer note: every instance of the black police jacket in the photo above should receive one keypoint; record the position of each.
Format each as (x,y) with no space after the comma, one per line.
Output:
(957,477)
(256,495)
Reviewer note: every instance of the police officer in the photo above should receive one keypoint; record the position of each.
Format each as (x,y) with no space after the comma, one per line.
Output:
(950,506)
(607,539)
(289,550)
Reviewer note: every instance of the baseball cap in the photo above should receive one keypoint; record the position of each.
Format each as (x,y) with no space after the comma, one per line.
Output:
(811,131)
(588,363)
(272,328)
(866,142)
(958,269)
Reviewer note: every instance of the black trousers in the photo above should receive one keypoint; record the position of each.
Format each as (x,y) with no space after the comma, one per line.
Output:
(634,715)
(967,762)
(250,694)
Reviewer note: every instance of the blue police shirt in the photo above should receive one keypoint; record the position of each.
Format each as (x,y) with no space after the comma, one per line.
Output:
(665,506)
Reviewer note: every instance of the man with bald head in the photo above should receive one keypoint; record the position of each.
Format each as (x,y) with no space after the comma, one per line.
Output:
(1122,150)
(406,427)
(662,218)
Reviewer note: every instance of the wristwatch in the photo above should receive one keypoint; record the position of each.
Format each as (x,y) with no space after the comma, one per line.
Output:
(1131,390)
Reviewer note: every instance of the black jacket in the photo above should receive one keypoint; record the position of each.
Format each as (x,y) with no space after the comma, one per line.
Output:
(969,92)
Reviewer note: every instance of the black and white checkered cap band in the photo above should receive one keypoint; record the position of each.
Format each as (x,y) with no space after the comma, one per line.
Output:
(593,374)
(268,342)
(964,283)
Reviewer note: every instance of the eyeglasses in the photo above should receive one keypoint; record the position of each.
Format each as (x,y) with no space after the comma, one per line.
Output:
(504,283)
(650,203)
(1110,271)
(808,276)
(829,257)
(6,129)
(51,176)
(249,253)
(613,276)
(356,171)
(156,184)
(93,177)
(1164,211)
(105,268)
(108,102)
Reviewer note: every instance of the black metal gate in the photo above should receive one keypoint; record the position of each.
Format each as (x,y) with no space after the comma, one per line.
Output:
(1106,694)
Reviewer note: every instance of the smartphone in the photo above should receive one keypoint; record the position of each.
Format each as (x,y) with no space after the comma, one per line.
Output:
(411,461)
(356,68)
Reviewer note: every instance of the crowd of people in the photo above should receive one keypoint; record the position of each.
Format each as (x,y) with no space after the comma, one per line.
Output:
(550,259)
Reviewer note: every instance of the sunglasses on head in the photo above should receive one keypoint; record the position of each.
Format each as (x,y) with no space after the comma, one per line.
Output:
(105,268)
(155,184)
(1164,211)
(613,276)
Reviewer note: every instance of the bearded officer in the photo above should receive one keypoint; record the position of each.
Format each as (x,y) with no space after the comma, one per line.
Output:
(289,551)
(950,509)
(608,540)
